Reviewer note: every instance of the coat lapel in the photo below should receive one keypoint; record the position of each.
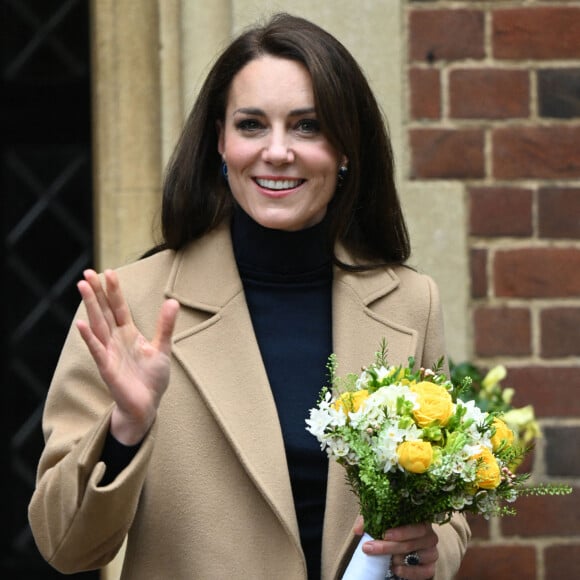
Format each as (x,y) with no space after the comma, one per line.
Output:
(357,333)
(236,389)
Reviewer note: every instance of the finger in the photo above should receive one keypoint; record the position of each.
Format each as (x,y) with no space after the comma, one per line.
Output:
(426,568)
(426,556)
(406,533)
(95,282)
(118,304)
(97,320)
(358,527)
(409,542)
(95,346)
(414,573)
(165,326)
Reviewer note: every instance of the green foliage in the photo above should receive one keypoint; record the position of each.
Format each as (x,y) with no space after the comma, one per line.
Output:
(469,379)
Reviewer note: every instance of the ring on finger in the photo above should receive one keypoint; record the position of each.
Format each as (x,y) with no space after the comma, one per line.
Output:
(412,559)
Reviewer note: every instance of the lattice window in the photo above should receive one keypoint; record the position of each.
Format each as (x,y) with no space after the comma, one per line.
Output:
(46,228)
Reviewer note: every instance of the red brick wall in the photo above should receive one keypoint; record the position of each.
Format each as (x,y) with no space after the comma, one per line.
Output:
(494,102)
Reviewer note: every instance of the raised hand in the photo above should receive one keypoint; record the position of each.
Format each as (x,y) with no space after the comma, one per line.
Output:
(135,370)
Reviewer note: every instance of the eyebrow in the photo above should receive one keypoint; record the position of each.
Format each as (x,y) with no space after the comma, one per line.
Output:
(261,113)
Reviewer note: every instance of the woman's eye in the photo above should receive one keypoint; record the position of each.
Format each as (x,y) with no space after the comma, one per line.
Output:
(249,125)
(308,126)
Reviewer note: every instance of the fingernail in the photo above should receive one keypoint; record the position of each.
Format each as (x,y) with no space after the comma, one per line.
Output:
(368,548)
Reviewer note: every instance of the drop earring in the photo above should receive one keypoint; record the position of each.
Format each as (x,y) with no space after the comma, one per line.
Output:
(342,173)
(225,170)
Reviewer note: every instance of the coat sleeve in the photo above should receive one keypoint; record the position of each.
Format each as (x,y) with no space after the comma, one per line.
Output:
(453,539)
(78,525)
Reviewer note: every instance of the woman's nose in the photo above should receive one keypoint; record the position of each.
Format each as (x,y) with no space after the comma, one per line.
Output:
(278,150)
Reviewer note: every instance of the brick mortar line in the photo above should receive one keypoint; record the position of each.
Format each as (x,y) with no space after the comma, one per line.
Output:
(502,65)
(513,243)
(534,96)
(445,95)
(487,35)
(539,474)
(488,154)
(535,330)
(525,362)
(485,5)
(561,422)
(537,541)
(524,183)
(536,214)
(486,124)
(540,303)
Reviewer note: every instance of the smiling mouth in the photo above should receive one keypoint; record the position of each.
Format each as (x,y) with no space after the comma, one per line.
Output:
(279,184)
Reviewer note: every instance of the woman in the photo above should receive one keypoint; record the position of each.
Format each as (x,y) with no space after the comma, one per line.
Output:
(283,241)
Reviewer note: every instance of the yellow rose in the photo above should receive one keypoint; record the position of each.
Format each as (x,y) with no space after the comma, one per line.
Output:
(488,473)
(415,456)
(351,401)
(502,433)
(435,404)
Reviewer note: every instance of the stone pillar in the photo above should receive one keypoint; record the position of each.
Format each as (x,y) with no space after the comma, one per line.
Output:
(126,127)
(148,57)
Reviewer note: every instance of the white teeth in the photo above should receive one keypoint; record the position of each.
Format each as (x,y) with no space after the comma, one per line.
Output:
(278,184)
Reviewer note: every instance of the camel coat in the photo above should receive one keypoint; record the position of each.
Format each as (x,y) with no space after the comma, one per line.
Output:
(208,494)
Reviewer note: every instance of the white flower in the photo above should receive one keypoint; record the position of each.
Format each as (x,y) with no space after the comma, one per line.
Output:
(359,419)
(386,398)
(338,447)
(384,372)
(362,381)
(472,411)
(337,417)
(318,422)
(385,444)
(468,451)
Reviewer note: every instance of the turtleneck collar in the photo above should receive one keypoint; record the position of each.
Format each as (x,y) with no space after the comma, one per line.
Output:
(261,251)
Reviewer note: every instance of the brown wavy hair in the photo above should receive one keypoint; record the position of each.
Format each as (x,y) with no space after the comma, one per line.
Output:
(365,212)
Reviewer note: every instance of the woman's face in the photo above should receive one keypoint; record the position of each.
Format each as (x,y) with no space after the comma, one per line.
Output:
(281,169)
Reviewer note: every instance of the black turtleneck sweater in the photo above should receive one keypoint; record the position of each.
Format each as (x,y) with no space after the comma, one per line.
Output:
(287,278)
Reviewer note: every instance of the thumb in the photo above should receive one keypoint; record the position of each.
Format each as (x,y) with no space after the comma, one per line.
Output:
(166,325)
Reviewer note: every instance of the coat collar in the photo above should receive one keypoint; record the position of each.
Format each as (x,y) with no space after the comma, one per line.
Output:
(204,278)
(204,275)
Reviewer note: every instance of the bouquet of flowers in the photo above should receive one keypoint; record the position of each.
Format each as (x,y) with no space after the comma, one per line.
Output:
(414,451)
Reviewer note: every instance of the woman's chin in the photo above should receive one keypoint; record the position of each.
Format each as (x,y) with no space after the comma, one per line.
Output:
(285,219)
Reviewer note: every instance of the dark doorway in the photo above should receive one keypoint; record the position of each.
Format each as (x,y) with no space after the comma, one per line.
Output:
(46,229)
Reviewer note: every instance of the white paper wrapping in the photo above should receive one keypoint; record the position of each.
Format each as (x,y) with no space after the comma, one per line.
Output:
(365,567)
